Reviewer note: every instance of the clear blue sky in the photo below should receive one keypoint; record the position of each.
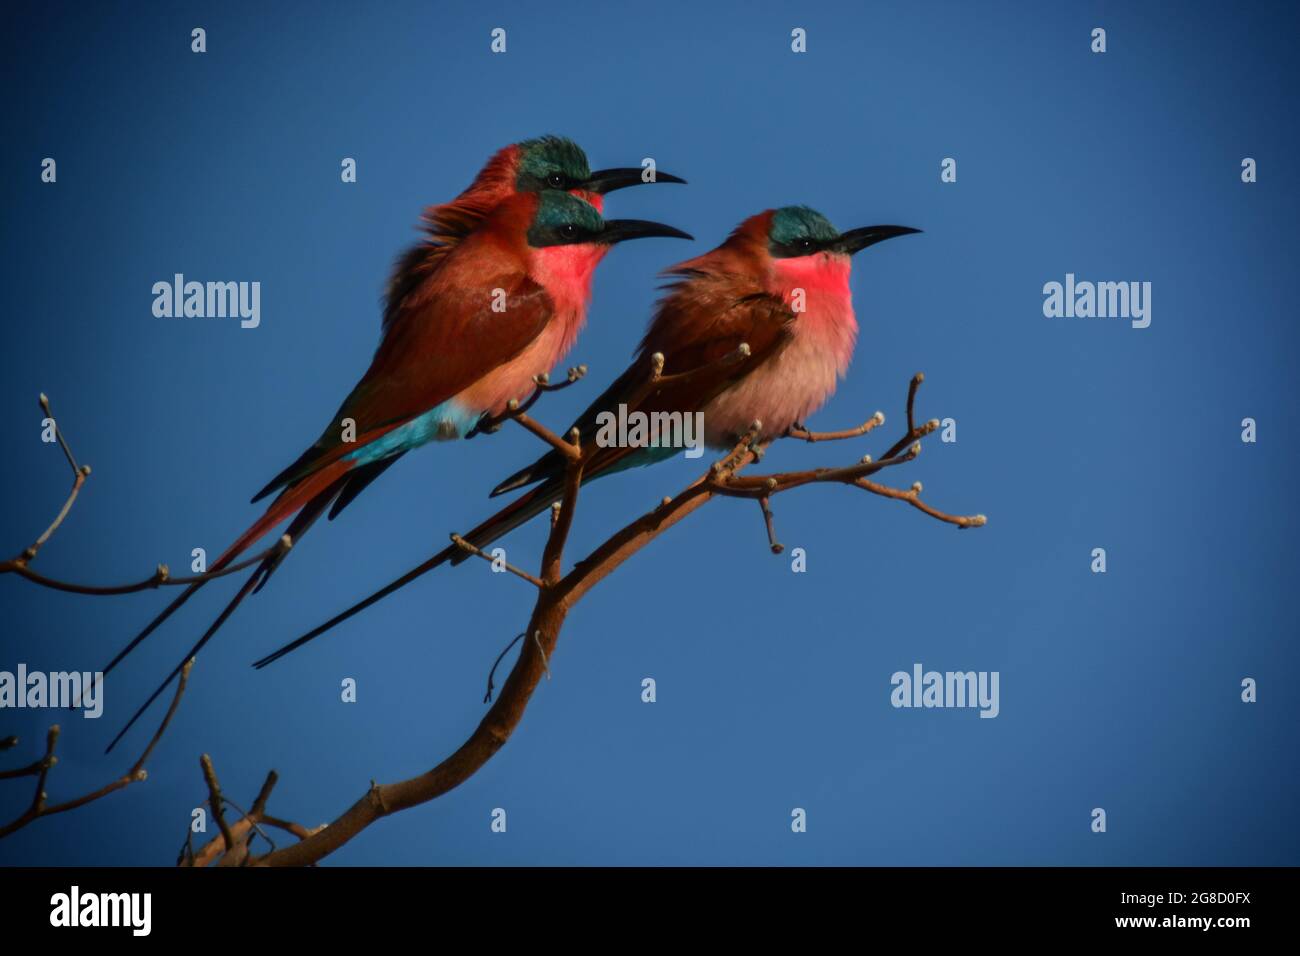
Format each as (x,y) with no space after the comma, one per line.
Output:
(1118,691)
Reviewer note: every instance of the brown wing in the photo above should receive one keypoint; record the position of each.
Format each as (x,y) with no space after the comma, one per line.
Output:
(445,338)
(703,319)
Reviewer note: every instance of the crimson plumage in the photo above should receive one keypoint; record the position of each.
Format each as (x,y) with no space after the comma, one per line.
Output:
(495,294)
(778,285)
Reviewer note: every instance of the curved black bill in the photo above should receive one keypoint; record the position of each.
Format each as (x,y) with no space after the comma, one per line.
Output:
(620,230)
(855,240)
(607,180)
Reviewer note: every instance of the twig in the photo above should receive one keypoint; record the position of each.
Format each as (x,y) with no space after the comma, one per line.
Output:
(214,799)
(42,771)
(557,593)
(243,829)
(565,448)
(136,774)
(759,486)
(58,434)
(913,497)
(798,431)
(252,821)
(160,578)
(478,552)
(488,424)
(776,546)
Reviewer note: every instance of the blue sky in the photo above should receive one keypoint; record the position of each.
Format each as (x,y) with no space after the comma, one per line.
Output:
(1118,690)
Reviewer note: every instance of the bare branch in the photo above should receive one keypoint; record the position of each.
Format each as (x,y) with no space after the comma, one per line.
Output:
(42,771)
(478,552)
(557,593)
(913,497)
(214,799)
(30,552)
(488,424)
(135,774)
(242,830)
(798,431)
(58,433)
(776,546)
(565,448)
(160,578)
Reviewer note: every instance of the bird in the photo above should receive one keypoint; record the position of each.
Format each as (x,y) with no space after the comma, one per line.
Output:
(504,302)
(777,289)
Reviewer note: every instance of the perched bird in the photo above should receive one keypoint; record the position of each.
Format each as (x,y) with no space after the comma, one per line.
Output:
(500,297)
(778,285)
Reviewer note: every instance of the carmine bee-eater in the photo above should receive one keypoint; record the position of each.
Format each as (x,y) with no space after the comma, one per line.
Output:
(496,296)
(780,285)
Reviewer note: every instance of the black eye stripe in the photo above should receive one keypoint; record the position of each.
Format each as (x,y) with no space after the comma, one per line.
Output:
(802,246)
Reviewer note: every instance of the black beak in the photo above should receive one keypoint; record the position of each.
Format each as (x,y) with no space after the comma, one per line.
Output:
(607,180)
(855,240)
(620,230)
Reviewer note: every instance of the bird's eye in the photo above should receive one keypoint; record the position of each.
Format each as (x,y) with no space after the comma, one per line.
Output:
(555,180)
(569,231)
(805,244)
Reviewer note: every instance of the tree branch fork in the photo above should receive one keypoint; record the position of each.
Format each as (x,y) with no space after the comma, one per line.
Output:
(556,592)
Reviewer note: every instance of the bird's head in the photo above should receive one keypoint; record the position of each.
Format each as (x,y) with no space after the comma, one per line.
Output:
(565,220)
(796,232)
(569,236)
(807,252)
(557,163)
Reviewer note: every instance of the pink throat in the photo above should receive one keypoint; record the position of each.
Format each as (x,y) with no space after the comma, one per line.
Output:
(800,379)
(565,272)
